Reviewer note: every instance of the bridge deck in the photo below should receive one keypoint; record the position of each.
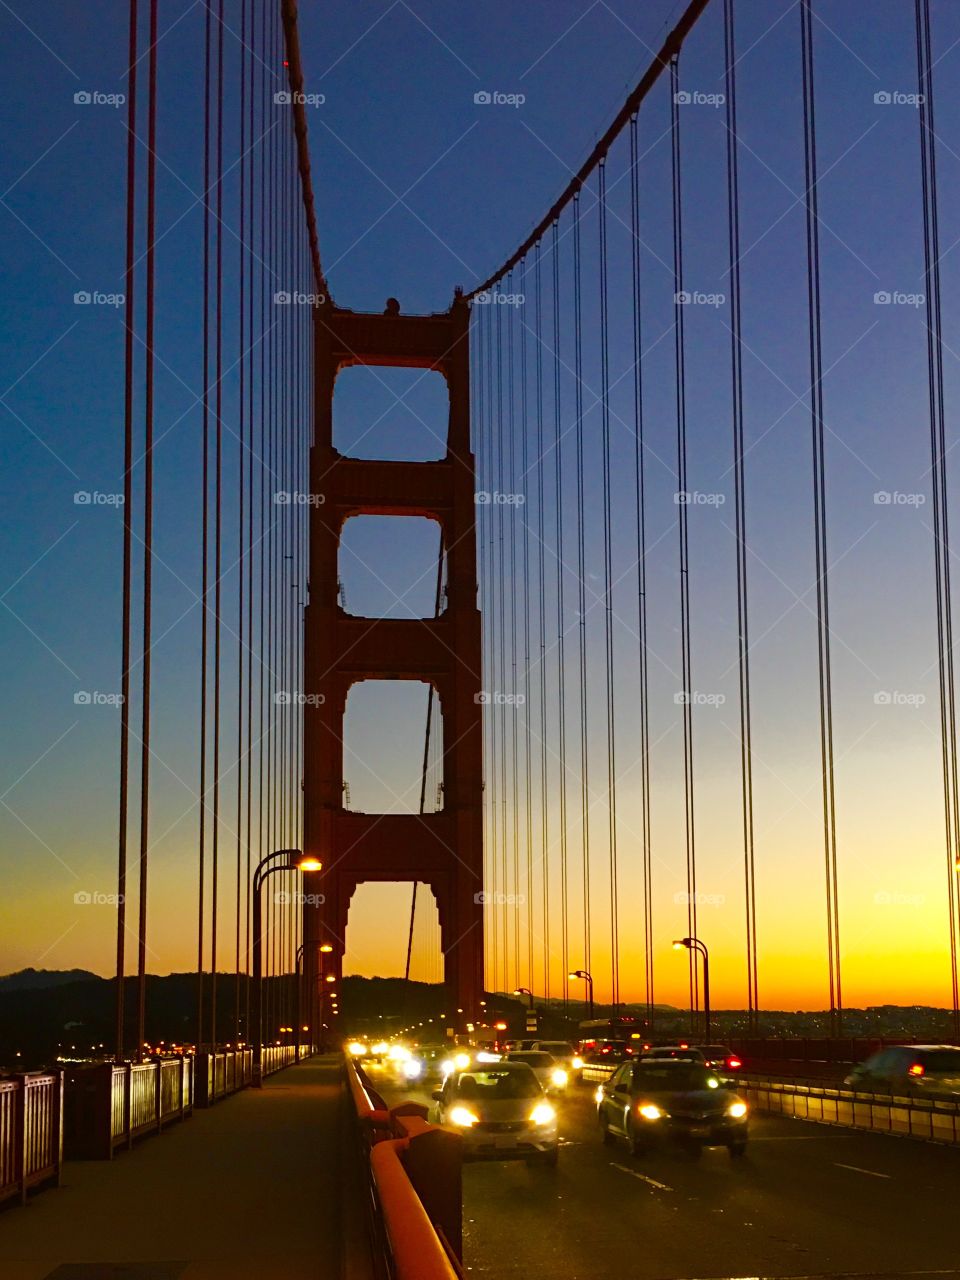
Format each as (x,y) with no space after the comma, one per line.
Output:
(247,1189)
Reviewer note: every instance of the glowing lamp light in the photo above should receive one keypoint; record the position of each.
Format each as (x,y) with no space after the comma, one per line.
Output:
(309,863)
(737,1110)
(650,1112)
(543,1113)
(500,1026)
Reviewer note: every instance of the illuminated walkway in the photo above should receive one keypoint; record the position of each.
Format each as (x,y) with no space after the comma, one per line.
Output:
(250,1188)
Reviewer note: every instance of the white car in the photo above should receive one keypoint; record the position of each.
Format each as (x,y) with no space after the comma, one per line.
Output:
(564,1053)
(502,1113)
(553,1076)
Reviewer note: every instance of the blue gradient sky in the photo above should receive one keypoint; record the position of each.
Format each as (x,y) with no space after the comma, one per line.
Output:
(419,189)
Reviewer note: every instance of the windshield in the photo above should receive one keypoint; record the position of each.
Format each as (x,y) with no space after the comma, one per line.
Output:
(663,1079)
(558,1047)
(493,1086)
(532,1059)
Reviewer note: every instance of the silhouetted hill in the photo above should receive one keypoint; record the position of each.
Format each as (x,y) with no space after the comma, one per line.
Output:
(39,979)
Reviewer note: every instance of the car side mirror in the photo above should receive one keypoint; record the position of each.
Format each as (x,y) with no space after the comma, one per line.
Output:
(438,1095)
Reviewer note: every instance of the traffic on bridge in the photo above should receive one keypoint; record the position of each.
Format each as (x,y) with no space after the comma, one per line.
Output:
(482,789)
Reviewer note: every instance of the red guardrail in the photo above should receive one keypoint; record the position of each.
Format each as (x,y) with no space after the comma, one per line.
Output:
(31,1132)
(415,1199)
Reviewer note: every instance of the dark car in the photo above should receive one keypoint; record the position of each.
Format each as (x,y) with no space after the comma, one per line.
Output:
(675,1053)
(653,1101)
(910,1068)
(720,1058)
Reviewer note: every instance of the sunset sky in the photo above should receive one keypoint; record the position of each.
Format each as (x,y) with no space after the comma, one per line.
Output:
(419,189)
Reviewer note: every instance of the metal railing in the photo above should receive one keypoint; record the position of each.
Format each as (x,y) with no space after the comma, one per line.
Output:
(31,1132)
(412,1182)
(933,1119)
(220,1074)
(109,1105)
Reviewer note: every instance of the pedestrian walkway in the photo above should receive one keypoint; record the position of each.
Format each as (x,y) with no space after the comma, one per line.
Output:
(250,1188)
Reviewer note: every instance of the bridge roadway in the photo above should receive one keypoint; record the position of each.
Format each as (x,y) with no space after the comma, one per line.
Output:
(249,1190)
(807,1201)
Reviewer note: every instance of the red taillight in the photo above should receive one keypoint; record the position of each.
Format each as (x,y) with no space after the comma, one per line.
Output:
(733,1064)
(917,1069)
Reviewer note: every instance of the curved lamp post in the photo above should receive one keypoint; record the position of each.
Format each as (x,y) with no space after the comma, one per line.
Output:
(522,991)
(588,979)
(279,860)
(694,944)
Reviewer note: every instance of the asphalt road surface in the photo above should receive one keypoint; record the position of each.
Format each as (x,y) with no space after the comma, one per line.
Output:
(807,1201)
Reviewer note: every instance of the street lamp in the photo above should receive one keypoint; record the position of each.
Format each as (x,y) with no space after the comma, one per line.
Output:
(520,991)
(279,860)
(588,979)
(694,944)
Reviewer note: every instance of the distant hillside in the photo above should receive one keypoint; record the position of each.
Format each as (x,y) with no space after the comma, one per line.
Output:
(42,979)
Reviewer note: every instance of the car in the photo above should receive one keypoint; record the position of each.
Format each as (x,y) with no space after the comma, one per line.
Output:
(653,1101)
(502,1112)
(426,1062)
(552,1074)
(675,1053)
(909,1068)
(564,1053)
(720,1058)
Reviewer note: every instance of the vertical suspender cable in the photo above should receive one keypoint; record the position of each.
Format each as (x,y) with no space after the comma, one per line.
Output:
(679,354)
(561,666)
(542,618)
(581,580)
(512,592)
(525,557)
(147,529)
(740,519)
(608,593)
(639,465)
(129,323)
(241,413)
(498,706)
(820,518)
(205,533)
(491,649)
(938,470)
(217,541)
(248,355)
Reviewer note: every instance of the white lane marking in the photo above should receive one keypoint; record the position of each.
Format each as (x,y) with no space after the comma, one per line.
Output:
(635,1173)
(856,1169)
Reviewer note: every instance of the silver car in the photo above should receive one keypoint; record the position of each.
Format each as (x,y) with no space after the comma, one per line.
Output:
(552,1074)
(502,1112)
(909,1069)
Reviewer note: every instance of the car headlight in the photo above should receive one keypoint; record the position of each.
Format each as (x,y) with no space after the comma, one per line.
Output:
(737,1109)
(598,1096)
(713,1082)
(379,1049)
(558,1078)
(357,1050)
(461,1061)
(650,1112)
(543,1113)
(412,1068)
(577,1064)
(463,1118)
(447,1066)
